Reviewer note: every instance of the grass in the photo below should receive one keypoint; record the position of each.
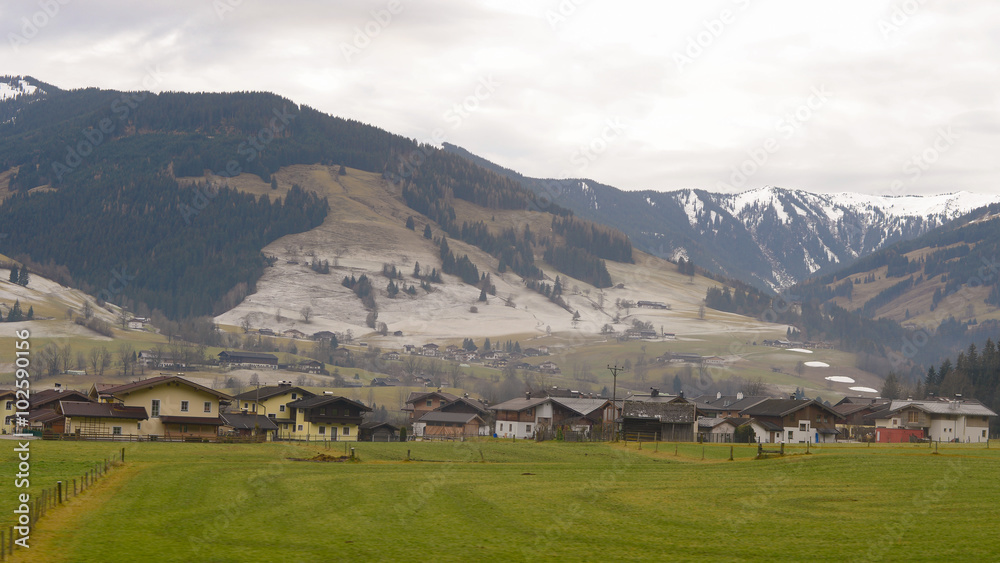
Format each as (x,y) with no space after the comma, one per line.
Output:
(496,500)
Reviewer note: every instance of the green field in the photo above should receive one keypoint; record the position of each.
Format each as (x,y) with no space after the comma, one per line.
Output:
(504,501)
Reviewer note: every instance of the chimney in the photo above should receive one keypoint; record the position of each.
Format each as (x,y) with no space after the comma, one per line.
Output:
(681,394)
(792,396)
(739,396)
(654,392)
(718,395)
(527,394)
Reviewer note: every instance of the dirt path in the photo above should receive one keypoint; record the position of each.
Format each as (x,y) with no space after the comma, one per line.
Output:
(59,522)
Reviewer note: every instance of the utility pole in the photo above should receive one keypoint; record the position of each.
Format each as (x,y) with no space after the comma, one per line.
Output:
(614,396)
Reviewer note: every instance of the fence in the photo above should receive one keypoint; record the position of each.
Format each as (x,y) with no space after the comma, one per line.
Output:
(52,497)
(153,438)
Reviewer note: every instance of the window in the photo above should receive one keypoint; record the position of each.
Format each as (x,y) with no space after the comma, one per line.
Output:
(430,403)
(333,412)
(184,406)
(527,428)
(984,433)
(272,416)
(10,405)
(208,406)
(912,416)
(184,427)
(154,409)
(293,396)
(347,431)
(116,430)
(300,428)
(803,426)
(138,426)
(322,430)
(790,433)
(246,405)
(254,407)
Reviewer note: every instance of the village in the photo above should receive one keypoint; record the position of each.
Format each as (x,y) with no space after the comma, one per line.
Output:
(170,407)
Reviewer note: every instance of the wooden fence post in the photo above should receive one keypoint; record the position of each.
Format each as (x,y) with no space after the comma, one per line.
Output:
(59,489)
(730,453)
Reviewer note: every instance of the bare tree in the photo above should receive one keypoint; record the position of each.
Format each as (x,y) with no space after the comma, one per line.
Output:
(104,359)
(245,324)
(254,379)
(753,387)
(123,316)
(88,310)
(306,313)
(125,352)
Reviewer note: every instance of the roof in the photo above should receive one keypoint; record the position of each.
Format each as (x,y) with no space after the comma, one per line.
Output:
(580,405)
(848,409)
(479,407)
(422,395)
(49,395)
(459,417)
(240,421)
(968,408)
(44,416)
(519,404)
(212,420)
(769,426)
(321,400)
(254,355)
(154,381)
(665,412)
(375,425)
(706,422)
(783,407)
(88,409)
(269,391)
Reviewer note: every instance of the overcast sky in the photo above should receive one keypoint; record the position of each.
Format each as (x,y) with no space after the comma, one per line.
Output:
(878,97)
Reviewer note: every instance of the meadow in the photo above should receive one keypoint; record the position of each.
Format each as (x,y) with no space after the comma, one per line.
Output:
(502,501)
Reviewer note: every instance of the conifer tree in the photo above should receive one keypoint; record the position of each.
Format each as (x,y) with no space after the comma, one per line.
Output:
(14,274)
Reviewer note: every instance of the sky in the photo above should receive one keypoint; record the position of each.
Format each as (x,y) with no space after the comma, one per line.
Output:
(892,98)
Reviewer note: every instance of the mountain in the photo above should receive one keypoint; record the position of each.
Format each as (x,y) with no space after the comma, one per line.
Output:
(769,237)
(16,92)
(90,182)
(943,285)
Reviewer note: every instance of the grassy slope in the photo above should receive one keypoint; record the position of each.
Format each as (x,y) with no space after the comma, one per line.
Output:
(549,501)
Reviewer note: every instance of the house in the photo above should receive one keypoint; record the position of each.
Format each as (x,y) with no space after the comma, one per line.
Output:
(8,400)
(548,367)
(47,421)
(531,352)
(178,408)
(430,350)
(385,382)
(294,333)
(137,323)
(726,406)
(248,425)
(674,420)
(437,424)
(324,336)
(160,359)
(420,403)
(714,361)
(718,429)
(248,360)
(311,366)
(945,420)
(327,417)
(272,401)
(48,399)
(859,417)
(397,333)
(800,420)
(525,418)
(392,356)
(378,432)
(108,420)
(265,332)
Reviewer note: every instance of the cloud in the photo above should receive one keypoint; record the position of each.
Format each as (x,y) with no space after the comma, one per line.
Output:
(897,71)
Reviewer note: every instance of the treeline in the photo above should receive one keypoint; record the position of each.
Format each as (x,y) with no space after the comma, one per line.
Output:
(461,267)
(147,241)
(513,250)
(578,263)
(745,300)
(885,296)
(974,374)
(600,241)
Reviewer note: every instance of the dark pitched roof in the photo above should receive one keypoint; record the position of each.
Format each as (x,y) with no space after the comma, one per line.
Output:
(769,426)
(664,412)
(269,391)
(782,407)
(101,410)
(154,381)
(519,404)
(44,416)
(423,395)
(451,417)
(582,406)
(461,401)
(240,421)
(322,400)
(252,355)
(372,425)
(54,395)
